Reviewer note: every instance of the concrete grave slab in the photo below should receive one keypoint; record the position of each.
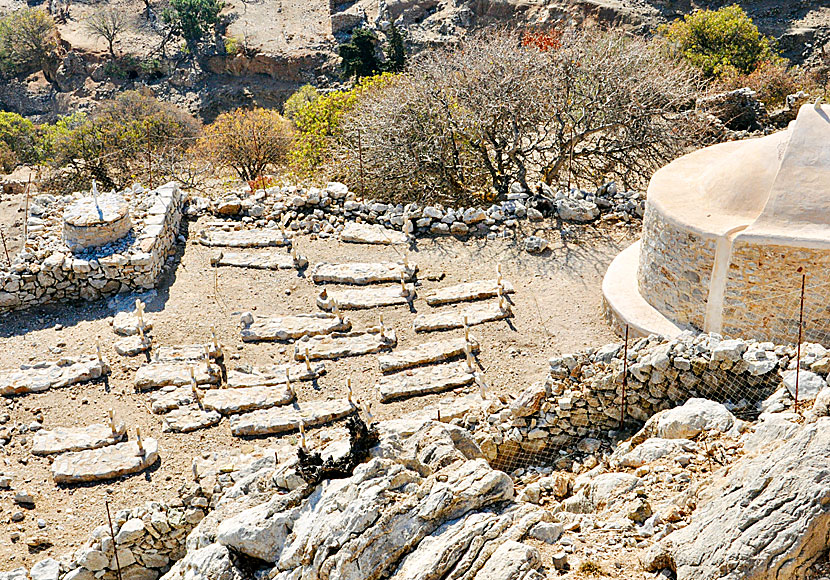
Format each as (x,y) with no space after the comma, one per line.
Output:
(291,327)
(371,234)
(105,462)
(475,314)
(234,401)
(359,298)
(187,419)
(342,345)
(289,417)
(426,353)
(274,375)
(362,272)
(244,238)
(258,261)
(423,381)
(51,375)
(476,290)
(160,374)
(63,439)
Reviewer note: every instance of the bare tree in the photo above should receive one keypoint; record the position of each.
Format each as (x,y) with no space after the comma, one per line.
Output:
(107,24)
(497,110)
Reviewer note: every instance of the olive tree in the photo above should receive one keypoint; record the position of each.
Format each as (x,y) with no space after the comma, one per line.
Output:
(465,121)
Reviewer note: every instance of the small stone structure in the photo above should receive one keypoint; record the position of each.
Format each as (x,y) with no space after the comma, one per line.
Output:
(96,221)
(47,270)
(727,234)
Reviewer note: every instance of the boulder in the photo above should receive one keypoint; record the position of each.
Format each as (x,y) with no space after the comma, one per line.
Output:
(577,210)
(653,449)
(809,384)
(692,418)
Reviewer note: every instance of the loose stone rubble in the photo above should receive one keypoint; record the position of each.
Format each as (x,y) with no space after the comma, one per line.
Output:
(105,463)
(290,417)
(423,381)
(362,273)
(372,297)
(340,345)
(163,373)
(470,315)
(63,439)
(291,327)
(360,233)
(275,375)
(244,238)
(233,401)
(51,375)
(469,291)
(259,261)
(426,353)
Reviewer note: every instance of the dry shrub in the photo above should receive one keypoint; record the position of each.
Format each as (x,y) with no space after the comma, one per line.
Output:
(772,81)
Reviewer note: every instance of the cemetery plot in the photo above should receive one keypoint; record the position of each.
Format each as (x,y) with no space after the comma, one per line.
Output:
(291,327)
(424,381)
(289,417)
(362,273)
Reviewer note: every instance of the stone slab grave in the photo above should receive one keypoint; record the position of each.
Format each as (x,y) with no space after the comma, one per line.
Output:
(476,290)
(51,375)
(371,234)
(127,323)
(171,397)
(426,353)
(234,401)
(362,273)
(475,314)
(374,297)
(244,238)
(63,439)
(291,327)
(187,419)
(342,345)
(274,375)
(187,352)
(133,345)
(258,261)
(105,462)
(423,381)
(162,373)
(289,417)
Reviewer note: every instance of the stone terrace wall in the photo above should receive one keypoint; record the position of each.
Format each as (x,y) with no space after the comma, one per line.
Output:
(57,275)
(675,269)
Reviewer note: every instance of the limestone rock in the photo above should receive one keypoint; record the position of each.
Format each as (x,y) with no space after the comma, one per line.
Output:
(809,384)
(258,261)
(51,375)
(653,449)
(422,381)
(370,297)
(692,418)
(128,323)
(361,233)
(161,374)
(187,419)
(244,238)
(63,439)
(577,210)
(428,352)
(275,375)
(474,314)
(341,345)
(104,463)
(289,417)
(512,561)
(232,401)
(291,327)
(529,401)
(362,273)
(476,290)
(48,569)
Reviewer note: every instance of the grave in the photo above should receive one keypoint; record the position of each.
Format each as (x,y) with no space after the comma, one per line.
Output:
(105,462)
(51,375)
(291,327)
(63,439)
(96,220)
(188,352)
(258,261)
(362,273)
(469,291)
(426,353)
(355,299)
(187,419)
(289,417)
(275,375)
(127,323)
(473,314)
(342,345)
(361,233)
(171,397)
(244,238)
(233,401)
(423,381)
(133,345)
(160,374)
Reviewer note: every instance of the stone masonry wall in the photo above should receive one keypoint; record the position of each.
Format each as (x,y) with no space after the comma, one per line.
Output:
(675,269)
(61,276)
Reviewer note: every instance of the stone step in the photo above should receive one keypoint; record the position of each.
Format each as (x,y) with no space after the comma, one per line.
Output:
(371,234)
(423,381)
(291,327)
(105,462)
(426,353)
(475,314)
(342,345)
(476,290)
(275,375)
(187,419)
(360,298)
(171,397)
(51,375)
(160,374)
(289,417)
(258,261)
(244,238)
(63,439)
(234,401)
(362,272)
(187,352)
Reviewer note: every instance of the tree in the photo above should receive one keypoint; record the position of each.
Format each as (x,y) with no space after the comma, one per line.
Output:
(193,18)
(360,54)
(247,141)
(395,51)
(28,41)
(720,42)
(304,96)
(107,24)
(465,121)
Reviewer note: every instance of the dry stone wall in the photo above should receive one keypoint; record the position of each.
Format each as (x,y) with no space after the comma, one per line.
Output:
(47,271)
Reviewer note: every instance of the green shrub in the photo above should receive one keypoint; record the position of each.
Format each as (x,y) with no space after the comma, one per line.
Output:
(303,96)
(8,160)
(28,41)
(20,135)
(359,54)
(192,19)
(721,42)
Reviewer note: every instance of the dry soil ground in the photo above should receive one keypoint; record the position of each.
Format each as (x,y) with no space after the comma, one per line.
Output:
(557,307)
